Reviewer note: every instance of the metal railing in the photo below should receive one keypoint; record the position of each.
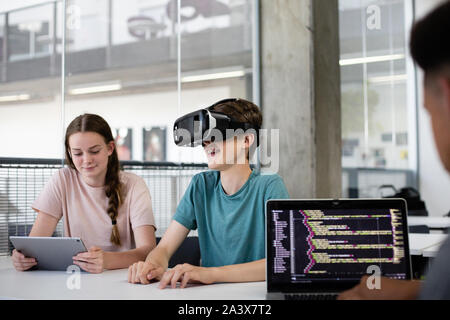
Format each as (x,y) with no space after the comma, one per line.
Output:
(21,181)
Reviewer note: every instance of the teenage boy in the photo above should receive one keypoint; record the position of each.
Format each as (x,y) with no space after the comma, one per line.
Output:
(432,54)
(226,205)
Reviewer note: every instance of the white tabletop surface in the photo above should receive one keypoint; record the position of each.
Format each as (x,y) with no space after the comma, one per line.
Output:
(432,222)
(432,251)
(112,285)
(419,242)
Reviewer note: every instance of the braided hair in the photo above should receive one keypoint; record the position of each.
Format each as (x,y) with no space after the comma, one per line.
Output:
(113,188)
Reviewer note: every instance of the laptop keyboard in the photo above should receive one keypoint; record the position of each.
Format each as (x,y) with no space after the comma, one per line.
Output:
(309,297)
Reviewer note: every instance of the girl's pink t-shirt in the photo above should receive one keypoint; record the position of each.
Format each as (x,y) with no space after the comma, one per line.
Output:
(83,208)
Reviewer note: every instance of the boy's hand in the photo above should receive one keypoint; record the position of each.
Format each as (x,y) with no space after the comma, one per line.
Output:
(186,273)
(142,272)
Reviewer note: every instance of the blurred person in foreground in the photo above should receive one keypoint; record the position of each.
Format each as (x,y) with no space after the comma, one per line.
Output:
(431,51)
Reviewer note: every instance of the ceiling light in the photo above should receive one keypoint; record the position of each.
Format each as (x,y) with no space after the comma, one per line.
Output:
(352,61)
(394,78)
(213,76)
(15,97)
(96,88)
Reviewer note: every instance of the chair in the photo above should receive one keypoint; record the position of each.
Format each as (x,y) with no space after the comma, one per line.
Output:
(188,252)
(416,206)
(419,229)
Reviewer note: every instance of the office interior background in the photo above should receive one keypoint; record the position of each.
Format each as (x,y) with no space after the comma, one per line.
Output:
(140,64)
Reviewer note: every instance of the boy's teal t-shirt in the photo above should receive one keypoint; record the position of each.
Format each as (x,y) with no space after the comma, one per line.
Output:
(231,228)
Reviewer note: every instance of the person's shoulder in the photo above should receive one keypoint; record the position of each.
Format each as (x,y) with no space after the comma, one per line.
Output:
(66,173)
(206,176)
(205,179)
(267,178)
(63,178)
(130,179)
(270,184)
(132,183)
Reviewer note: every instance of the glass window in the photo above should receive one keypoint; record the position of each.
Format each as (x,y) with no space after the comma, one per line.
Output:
(129,61)
(216,57)
(140,64)
(30,83)
(375,81)
(2,47)
(29,32)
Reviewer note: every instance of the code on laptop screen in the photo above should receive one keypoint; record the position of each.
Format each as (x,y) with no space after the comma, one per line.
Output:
(315,245)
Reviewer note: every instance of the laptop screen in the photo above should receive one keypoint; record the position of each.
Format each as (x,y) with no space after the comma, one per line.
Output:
(323,243)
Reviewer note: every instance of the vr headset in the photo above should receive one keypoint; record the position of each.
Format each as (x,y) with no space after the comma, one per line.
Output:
(206,125)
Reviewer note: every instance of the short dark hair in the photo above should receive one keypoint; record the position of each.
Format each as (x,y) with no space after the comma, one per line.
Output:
(243,111)
(240,110)
(429,44)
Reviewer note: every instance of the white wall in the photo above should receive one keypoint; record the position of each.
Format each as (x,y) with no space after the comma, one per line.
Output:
(30,129)
(17,4)
(148,110)
(33,130)
(434,181)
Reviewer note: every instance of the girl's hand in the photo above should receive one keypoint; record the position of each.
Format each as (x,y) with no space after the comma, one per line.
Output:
(91,261)
(22,263)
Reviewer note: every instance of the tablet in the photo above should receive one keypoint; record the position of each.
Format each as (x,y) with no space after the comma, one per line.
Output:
(51,253)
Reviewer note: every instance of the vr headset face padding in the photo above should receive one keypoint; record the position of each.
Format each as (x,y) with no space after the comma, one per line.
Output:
(203,125)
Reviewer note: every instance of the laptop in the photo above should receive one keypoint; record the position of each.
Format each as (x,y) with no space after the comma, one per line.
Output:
(316,249)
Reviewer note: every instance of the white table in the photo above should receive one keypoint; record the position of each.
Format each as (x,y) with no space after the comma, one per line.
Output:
(429,242)
(432,251)
(432,222)
(112,285)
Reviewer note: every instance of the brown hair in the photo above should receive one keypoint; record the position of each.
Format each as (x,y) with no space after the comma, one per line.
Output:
(241,110)
(113,188)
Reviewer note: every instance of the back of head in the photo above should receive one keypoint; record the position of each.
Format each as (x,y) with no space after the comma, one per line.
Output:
(429,43)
